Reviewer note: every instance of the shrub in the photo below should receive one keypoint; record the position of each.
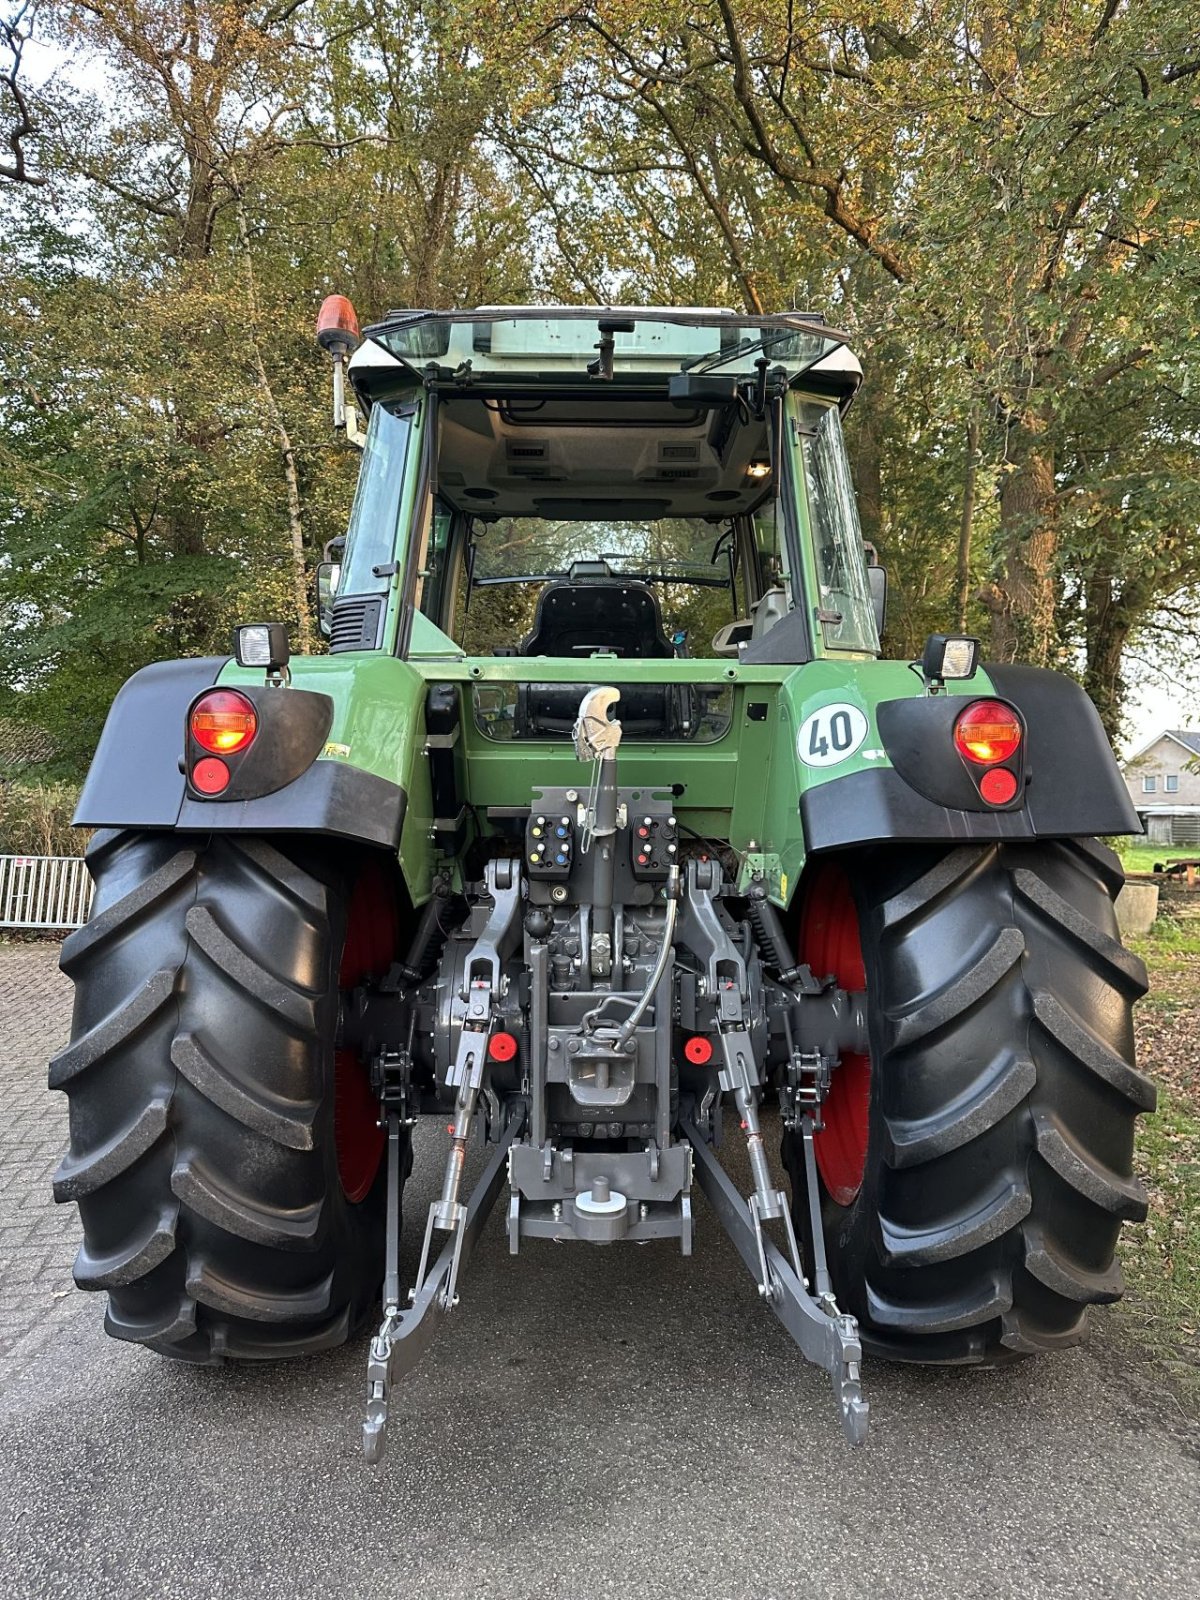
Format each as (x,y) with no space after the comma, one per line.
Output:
(35,819)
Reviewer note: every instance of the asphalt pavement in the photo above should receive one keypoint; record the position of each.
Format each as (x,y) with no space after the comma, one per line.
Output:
(593,1422)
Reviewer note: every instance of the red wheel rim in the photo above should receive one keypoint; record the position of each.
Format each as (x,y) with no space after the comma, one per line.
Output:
(372,928)
(830,944)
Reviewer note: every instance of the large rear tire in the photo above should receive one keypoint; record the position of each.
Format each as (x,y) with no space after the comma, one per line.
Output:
(206,1104)
(977,1169)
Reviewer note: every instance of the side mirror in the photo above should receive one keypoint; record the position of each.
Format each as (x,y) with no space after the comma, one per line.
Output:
(329,575)
(877,578)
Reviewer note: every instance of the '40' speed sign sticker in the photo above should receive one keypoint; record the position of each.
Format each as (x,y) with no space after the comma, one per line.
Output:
(830,735)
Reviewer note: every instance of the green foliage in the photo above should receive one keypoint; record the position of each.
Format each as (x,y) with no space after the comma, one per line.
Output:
(159,382)
(999,203)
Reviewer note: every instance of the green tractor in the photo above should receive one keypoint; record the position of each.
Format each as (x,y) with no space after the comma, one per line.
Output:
(601,825)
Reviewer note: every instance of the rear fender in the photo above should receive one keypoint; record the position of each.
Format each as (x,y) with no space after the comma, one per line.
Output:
(1073,786)
(137,777)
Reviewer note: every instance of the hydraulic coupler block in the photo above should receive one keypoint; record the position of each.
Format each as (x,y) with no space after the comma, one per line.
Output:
(549,846)
(653,845)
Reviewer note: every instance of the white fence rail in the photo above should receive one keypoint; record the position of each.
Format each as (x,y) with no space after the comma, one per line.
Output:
(50,892)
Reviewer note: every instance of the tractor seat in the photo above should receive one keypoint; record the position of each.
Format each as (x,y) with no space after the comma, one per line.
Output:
(583,614)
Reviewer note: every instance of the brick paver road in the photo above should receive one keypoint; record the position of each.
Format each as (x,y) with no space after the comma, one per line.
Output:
(591,1423)
(38,1239)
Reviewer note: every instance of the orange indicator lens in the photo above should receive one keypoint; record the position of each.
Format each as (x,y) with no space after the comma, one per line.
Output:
(224,722)
(987,731)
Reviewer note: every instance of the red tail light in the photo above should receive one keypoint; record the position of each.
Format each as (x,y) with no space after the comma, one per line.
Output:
(998,786)
(223,722)
(987,731)
(210,776)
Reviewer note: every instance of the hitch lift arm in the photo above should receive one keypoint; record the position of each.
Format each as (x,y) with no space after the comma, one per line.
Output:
(826,1336)
(406,1335)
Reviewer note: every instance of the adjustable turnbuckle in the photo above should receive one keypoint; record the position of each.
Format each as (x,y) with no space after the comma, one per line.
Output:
(447,1212)
(740,1076)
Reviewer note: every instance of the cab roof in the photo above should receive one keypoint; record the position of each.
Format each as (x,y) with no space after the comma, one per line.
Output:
(573,346)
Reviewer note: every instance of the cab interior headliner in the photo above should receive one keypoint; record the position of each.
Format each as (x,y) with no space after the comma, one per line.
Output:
(590,457)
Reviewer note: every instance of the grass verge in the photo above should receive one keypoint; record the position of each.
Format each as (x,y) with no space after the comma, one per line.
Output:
(1161,1311)
(1140,857)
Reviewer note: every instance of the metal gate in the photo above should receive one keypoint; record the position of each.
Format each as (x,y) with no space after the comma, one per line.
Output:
(50,892)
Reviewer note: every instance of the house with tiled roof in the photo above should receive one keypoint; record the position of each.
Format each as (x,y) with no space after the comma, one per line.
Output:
(1163,779)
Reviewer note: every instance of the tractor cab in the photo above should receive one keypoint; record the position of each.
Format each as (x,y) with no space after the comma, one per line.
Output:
(564,483)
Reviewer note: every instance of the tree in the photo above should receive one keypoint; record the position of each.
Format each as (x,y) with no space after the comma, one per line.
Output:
(15,32)
(167,465)
(997,195)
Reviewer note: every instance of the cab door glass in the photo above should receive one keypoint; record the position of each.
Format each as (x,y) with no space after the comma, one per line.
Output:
(771,546)
(371,539)
(844,596)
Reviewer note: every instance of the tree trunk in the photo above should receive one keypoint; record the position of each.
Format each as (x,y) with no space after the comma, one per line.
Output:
(962,575)
(1113,609)
(1021,600)
(185,519)
(440,210)
(1107,632)
(291,477)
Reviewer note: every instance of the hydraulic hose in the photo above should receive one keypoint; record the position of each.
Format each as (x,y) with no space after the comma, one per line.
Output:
(665,953)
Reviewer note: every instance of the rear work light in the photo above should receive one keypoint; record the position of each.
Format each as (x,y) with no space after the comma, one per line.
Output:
(223,722)
(986,732)
(261,644)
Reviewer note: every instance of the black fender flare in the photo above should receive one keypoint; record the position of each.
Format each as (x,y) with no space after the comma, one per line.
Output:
(1073,786)
(136,779)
